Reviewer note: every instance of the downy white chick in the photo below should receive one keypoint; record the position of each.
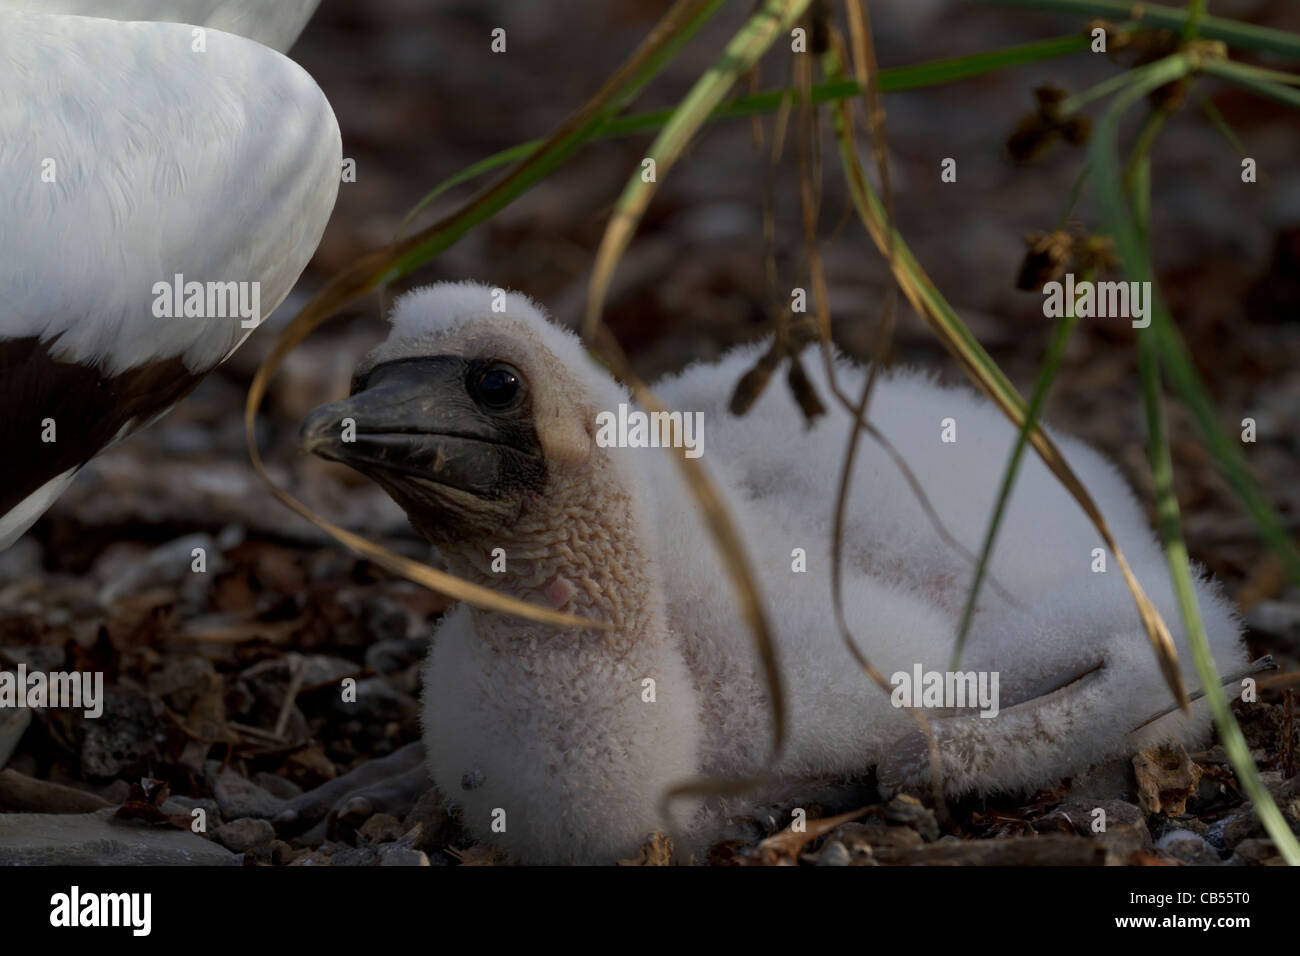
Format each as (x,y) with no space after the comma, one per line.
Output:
(482,424)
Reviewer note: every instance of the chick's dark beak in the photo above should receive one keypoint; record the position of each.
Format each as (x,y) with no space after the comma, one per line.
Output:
(413,427)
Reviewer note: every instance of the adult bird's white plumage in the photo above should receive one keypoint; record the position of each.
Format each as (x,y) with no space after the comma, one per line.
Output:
(273,23)
(130,156)
(481,424)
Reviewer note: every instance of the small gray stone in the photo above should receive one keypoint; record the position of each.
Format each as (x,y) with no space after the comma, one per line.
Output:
(282,854)
(187,805)
(380,828)
(243,835)
(397,855)
(276,785)
(834,853)
(1126,826)
(237,796)
(1241,824)
(376,699)
(95,839)
(363,856)
(178,678)
(1256,852)
(1194,824)
(1208,792)
(318,669)
(912,812)
(168,563)
(1187,847)
(315,858)
(125,737)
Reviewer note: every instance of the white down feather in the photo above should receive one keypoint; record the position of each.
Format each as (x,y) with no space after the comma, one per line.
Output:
(273,23)
(220,166)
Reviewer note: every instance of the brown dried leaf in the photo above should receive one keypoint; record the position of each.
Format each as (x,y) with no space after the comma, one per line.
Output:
(1166,778)
(478,855)
(145,804)
(789,842)
(657,850)
(1046,259)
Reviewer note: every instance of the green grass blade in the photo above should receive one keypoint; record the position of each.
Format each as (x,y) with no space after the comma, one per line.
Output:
(514,154)
(1175,356)
(1195,13)
(1046,375)
(1262,82)
(931,306)
(896,80)
(1232,69)
(1220,123)
(1234,743)
(1227,454)
(1072,104)
(678,25)
(1187,381)
(1133,252)
(759,32)
(959,68)
(1244,36)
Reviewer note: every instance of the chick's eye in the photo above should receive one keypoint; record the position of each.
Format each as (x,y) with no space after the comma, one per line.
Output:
(497,387)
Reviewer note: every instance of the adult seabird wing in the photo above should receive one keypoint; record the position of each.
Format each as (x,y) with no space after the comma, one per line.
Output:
(133,165)
(274,23)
